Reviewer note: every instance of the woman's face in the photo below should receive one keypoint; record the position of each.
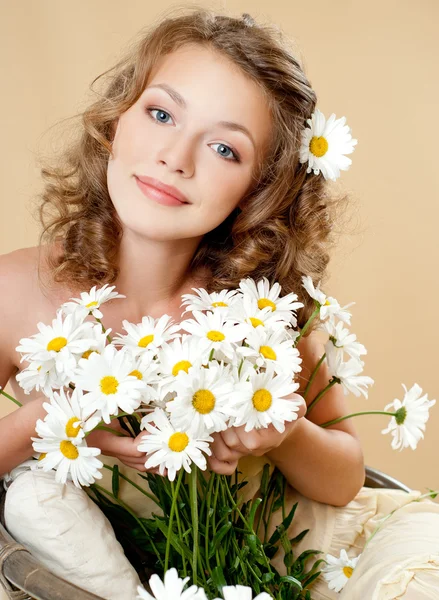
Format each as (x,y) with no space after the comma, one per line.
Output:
(184,144)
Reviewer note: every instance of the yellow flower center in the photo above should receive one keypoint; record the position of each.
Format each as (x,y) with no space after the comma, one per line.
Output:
(69,450)
(57,343)
(327,303)
(256,322)
(136,373)
(348,571)
(71,430)
(264,302)
(109,384)
(262,400)
(178,441)
(215,336)
(216,304)
(42,455)
(87,353)
(182,365)
(318,146)
(203,401)
(268,352)
(39,368)
(91,304)
(146,340)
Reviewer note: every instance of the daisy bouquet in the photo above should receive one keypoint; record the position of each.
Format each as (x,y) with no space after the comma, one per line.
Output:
(233,363)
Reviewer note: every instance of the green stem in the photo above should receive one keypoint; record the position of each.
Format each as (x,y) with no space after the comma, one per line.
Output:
(104,428)
(319,396)
(208,501)
(131,482)
(10,397)
(244,520)
(364,412)
(314,373)
(308,323)
(104,330)
(194,512)
(171,516)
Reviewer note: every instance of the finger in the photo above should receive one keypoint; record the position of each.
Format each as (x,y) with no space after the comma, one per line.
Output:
(221,467)
(231,439)
(251,440)
(222,452)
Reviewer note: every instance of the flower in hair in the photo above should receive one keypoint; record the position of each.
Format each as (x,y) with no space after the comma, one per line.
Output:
(324,145)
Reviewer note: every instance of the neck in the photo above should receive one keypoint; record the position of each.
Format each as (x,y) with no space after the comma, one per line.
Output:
(153,273)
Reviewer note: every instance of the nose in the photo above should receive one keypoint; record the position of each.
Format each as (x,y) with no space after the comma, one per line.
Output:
(178,154)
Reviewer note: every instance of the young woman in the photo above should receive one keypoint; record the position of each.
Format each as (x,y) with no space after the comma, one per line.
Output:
(186,174)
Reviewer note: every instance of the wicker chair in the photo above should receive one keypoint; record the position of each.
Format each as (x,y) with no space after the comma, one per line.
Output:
(24,578)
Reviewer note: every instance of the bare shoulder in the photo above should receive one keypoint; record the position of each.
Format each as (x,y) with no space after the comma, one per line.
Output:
(311,349)
(22,300)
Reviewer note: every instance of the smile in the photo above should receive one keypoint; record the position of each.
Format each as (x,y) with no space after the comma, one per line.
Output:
(158,195)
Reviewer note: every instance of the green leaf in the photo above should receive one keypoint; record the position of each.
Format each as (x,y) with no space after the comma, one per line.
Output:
(115,481)
(218,578)
(218,537)
(291,580)
(299,537)
(253,510)
(283,526)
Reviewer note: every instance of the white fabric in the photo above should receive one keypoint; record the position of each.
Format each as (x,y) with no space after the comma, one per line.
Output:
(69,534)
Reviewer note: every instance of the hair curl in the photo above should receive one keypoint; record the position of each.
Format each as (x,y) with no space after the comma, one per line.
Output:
(285,227)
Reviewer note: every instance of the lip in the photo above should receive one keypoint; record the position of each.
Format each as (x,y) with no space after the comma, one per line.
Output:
(159,191)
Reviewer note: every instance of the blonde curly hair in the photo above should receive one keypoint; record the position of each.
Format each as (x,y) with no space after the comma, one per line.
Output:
(285,226)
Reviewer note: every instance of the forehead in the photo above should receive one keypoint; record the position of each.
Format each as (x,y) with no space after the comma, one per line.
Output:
(214,88)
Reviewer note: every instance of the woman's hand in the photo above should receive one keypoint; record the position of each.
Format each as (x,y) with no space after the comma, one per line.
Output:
(233,443)
(124,448)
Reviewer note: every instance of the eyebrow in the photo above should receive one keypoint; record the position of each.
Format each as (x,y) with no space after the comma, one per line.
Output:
(178,99)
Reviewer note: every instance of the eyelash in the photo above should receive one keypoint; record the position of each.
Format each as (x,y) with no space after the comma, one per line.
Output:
(235,154)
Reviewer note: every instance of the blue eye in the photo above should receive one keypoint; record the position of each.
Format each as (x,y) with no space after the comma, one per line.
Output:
(235,156)
(163,112)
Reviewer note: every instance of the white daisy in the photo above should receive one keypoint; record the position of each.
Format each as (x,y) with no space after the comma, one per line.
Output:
(261,401)
(215,332)
(203,399)
(408,425)
(147,336)
(170,589)
(202,300)
(146,369)
(172,448)
(65,418)
(247,311)
(40,376)
(75,461)
(241,592)
(283,308)
(90,302)
(58,345)
(108,380)
(272,348)
(324,145)
(178,355)
(338,571)
(343,339)
(348,373)
(329,306)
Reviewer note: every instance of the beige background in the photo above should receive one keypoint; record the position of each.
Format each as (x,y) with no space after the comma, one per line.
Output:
(374,63)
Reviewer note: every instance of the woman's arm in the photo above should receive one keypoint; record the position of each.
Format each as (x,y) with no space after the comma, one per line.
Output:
(324,464)
(16,430)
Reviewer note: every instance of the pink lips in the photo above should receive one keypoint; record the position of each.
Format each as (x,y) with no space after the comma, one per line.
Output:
(160,195)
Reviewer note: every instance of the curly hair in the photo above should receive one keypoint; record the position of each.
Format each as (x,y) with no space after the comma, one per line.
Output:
(285,225)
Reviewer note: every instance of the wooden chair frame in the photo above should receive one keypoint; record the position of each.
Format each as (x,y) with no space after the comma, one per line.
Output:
(24,578)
